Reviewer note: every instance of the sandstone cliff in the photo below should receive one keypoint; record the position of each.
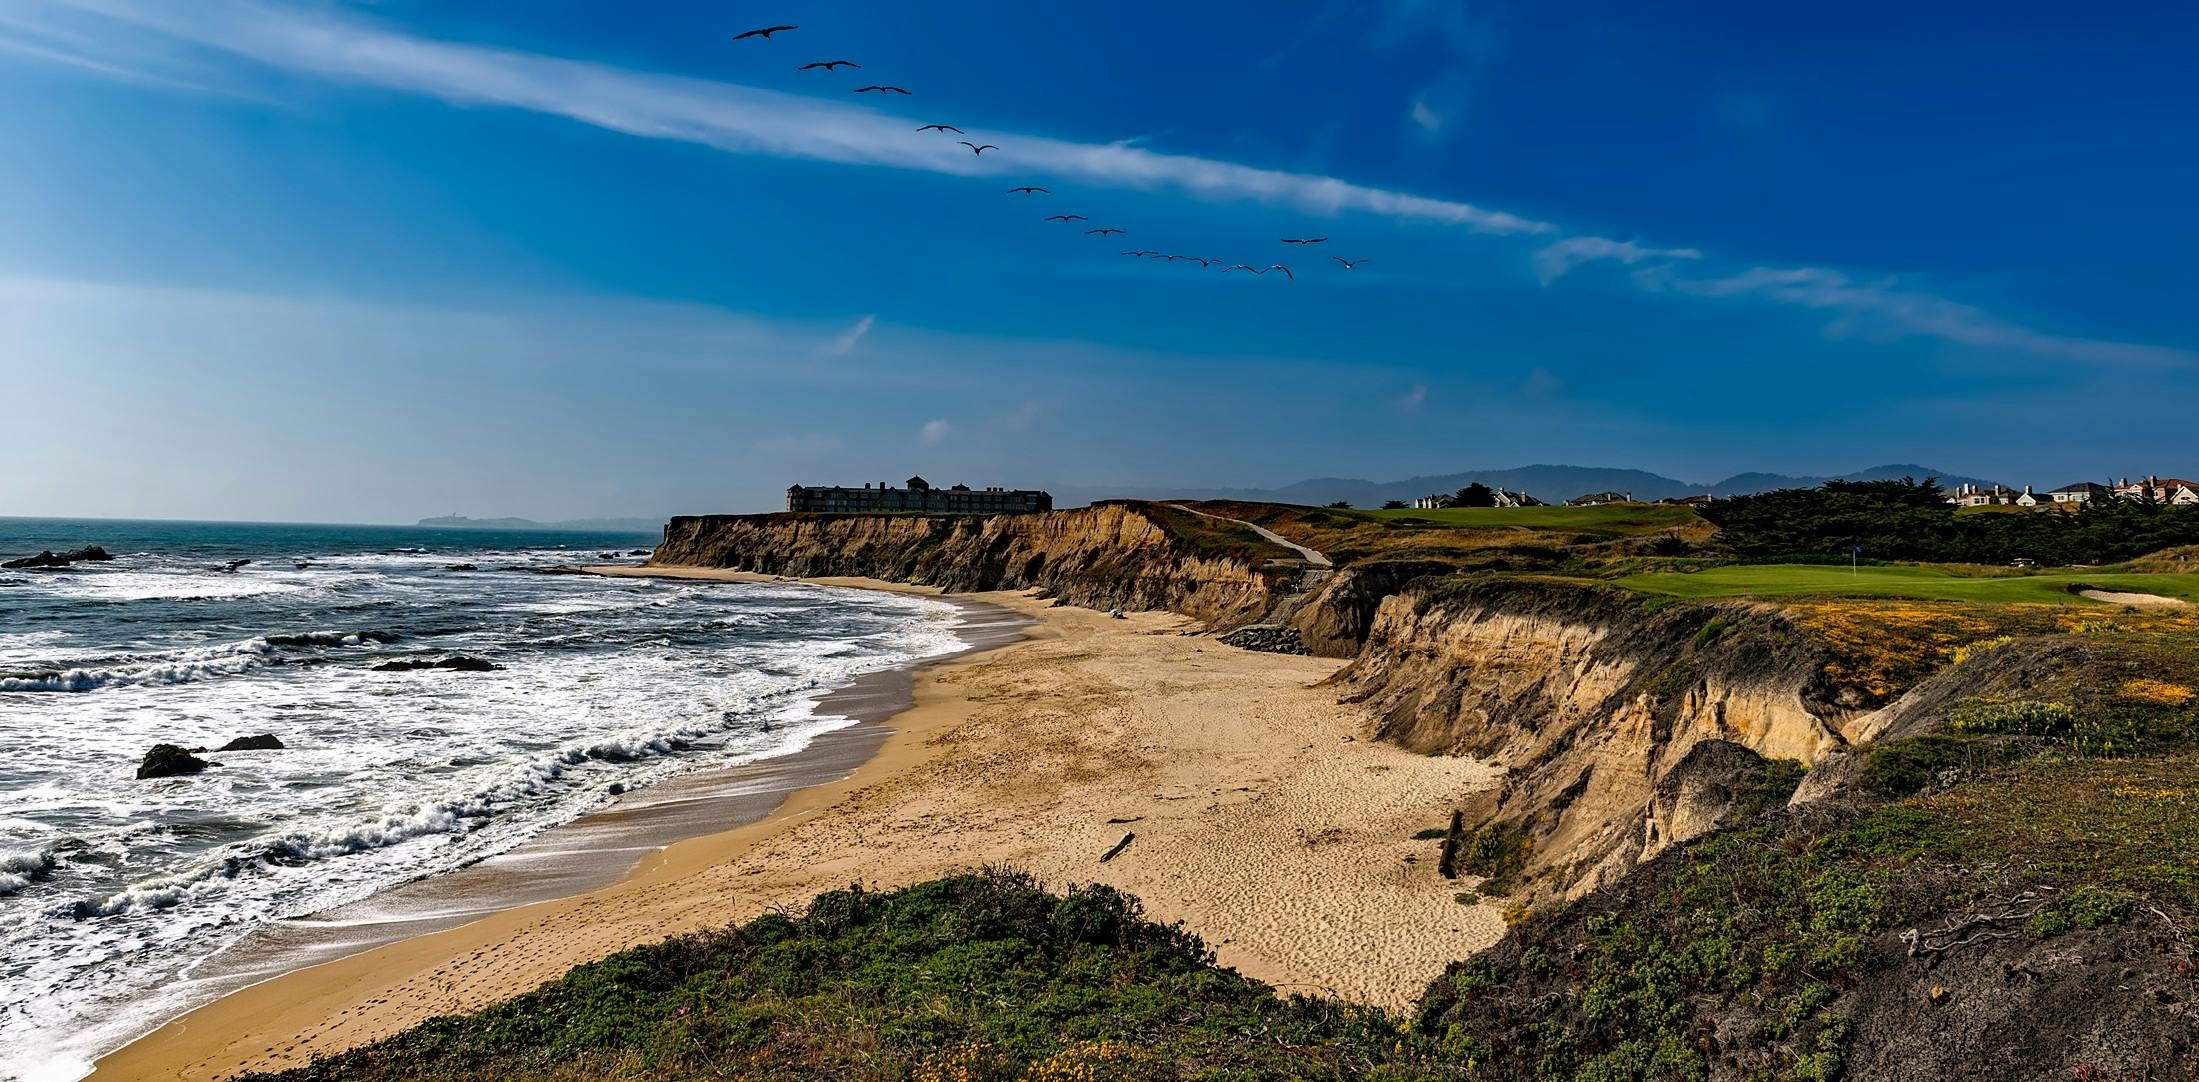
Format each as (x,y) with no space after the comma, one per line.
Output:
(1113,555)
(1594,699)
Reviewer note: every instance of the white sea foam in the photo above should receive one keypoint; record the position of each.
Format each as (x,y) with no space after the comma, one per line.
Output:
(383,779)
(22,868)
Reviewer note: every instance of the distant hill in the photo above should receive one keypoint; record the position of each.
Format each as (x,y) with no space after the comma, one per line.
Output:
(577,525)
(1550,483)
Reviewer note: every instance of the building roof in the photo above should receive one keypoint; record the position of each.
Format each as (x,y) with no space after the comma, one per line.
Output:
(2084,486)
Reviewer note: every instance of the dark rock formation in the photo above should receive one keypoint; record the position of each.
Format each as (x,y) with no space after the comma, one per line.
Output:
(1267,639)
(168,761)
(455,663)
(262,742)
(460,567)
(50,558)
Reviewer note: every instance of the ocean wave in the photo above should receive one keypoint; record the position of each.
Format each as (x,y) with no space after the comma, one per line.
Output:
(143,898)
(180,667)
(175,672)
(21,869)
(330,638)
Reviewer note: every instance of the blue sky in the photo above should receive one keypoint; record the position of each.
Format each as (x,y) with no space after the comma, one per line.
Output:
(372,261)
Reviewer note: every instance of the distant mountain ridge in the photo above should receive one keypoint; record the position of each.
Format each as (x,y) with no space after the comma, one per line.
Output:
(1549,483)
(577,525)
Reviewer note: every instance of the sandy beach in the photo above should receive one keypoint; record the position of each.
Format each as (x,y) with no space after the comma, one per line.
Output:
(1263,819)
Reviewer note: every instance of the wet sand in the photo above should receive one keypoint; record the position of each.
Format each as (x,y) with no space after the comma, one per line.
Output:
(1263,819)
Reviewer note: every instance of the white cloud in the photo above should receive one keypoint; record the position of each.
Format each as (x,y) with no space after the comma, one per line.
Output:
(1555,261)
(1411,401)
(1429,120)
(740,119)
(934,432)
(736,118)
(1882,310)
(843,343)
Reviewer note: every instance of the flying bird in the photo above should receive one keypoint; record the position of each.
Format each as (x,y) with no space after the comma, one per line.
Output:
(828,65)
(1028,189)
(943,127)
(764,33)
(1240,266)
(1067,218)
(978,150)
(1304,240)
(1141,254)
(1102,232)
(1285,270)
(1350,263)
(880,90)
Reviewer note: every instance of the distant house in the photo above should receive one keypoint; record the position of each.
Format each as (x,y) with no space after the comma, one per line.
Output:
(2081,492)
(2165,490)
(2028,499)
(1984,496)
(1704,500)
(1504,498)
(1600,499)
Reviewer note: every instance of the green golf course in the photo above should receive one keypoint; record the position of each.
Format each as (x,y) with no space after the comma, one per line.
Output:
(1918,583)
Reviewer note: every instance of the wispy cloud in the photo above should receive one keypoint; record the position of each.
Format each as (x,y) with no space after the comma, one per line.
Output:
(1412,401)
(348,50)
(1426,117)
(1555,261)
(934,432)
(737,118)
(843,343)
(1882,310)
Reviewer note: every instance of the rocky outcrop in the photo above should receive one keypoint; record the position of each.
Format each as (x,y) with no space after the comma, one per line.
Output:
(1267,639)
(168,761)
(262,742)
(1592,698)
(50,558)
(455,663)
(1108,556)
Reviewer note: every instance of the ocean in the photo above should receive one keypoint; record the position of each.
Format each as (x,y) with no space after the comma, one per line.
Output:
(115,892)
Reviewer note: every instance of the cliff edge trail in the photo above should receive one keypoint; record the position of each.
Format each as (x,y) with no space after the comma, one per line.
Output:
(1313,559)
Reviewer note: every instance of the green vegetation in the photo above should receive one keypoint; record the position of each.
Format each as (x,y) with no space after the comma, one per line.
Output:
(1214,538)
(1615,519)
(1911,520)
(1499,852)
(971,979)
(1920,583)
(1763,927)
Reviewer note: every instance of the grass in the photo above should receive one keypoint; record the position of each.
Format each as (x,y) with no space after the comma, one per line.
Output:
(1915,583)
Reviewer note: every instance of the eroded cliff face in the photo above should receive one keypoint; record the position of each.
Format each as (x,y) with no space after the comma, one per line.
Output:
(1591,698)
(1100,557)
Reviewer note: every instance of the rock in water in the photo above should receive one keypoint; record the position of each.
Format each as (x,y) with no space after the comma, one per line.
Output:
(455,663)
(168,761)
(262,742)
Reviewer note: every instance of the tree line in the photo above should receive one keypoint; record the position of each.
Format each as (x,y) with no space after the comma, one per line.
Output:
(1912,520)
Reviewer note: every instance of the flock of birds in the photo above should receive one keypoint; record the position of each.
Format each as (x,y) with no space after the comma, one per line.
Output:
(765,33)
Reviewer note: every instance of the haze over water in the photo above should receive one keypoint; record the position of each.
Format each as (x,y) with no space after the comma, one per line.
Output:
(111,889)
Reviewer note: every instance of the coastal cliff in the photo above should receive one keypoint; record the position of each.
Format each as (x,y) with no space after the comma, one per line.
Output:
(1130,556)
(1625,727)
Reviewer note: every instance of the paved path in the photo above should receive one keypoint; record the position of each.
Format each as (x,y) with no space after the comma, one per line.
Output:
(1313,559)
